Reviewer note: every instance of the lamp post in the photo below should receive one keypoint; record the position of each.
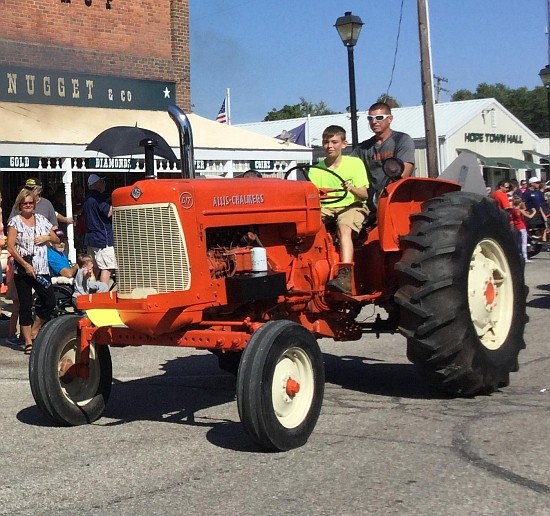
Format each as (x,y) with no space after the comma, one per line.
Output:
(349,27)
(544,75)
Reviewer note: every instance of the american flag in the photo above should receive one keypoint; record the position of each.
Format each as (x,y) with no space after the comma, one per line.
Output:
(222,114)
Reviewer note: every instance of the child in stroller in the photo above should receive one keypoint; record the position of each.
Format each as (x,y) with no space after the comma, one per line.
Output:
(85,282)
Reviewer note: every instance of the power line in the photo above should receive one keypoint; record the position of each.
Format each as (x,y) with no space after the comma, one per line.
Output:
(396,48)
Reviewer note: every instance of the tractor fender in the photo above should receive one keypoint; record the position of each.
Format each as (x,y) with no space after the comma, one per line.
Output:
(400,200)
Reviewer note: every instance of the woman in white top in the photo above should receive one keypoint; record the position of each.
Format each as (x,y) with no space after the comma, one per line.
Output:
(28,233)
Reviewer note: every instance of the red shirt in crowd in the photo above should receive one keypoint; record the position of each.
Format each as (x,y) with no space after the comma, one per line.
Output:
(517,220)
(502,199)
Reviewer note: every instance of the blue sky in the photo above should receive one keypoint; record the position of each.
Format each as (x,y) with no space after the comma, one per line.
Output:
(272,53)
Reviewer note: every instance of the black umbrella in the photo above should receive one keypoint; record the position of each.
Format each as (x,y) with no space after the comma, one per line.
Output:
(131,141)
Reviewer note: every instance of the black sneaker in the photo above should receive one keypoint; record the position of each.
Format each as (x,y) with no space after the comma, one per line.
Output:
(15,341)
(342,281)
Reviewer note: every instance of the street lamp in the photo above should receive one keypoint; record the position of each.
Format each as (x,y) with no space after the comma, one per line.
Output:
(349,28)
(544,75)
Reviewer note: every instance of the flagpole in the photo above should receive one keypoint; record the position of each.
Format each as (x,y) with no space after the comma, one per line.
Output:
(228,106)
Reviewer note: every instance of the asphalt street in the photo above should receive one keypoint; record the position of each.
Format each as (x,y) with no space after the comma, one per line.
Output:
(171,441)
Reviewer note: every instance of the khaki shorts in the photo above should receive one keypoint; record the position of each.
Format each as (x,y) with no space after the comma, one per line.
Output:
(352,216)
(104,258)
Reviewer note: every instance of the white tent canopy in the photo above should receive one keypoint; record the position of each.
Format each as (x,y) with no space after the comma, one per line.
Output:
(28,126)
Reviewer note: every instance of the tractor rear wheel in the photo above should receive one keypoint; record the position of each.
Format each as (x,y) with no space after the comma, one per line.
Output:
(68,392)
(462,294)
(280,385)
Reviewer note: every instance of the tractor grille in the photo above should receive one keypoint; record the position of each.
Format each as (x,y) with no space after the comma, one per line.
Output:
(150,250)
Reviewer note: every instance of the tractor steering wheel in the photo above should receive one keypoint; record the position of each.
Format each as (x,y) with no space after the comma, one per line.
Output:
(327,195)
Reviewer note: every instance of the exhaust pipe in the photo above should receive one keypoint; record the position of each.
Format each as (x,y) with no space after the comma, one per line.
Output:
(186,141)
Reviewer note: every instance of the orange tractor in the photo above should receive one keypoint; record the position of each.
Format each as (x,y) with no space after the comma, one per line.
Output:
(239,268)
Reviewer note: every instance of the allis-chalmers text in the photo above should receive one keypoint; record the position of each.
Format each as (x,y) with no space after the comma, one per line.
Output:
(237,200)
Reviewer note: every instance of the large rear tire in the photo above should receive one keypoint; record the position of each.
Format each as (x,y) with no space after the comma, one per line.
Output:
(462,294)
(65,396)
(280,385)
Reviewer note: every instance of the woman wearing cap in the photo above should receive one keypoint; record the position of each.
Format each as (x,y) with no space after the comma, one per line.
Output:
(28,233)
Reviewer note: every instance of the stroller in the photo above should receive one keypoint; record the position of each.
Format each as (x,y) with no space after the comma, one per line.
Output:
(64,302)
(64,289)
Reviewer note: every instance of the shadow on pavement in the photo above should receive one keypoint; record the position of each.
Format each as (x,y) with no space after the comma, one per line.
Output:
(188,386)
(541,297)
(373,377)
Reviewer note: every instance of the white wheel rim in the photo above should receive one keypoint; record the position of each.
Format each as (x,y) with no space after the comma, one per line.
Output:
(490,294)
(293,387)
(78,391)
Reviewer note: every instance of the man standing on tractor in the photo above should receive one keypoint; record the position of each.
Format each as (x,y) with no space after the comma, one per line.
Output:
(349,212)
(386,143)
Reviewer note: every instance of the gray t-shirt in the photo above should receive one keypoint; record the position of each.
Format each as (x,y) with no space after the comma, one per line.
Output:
(398,145)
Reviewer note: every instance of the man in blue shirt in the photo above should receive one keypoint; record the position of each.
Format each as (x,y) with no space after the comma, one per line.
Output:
(534,198)
(99,229)
(59,263)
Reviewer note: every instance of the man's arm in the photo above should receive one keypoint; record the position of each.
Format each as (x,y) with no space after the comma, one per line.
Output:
(106,209)
(405,152)
(68,272)
(60,265)
(408,169)
(63,219)
(359,178)
(360,193)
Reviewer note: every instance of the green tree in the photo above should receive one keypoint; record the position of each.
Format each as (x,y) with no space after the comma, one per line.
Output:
(303,108)
(389,100)
(287,111)
(529,106)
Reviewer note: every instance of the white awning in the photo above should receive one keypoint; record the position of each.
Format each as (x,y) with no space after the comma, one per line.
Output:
(44,125)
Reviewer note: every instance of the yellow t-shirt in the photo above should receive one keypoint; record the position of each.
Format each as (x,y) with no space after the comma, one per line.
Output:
(351,169)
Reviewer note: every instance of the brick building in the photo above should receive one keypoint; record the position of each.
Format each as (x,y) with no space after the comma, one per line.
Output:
(139,39)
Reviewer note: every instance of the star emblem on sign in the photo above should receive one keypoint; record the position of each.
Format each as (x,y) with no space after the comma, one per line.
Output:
(166,93)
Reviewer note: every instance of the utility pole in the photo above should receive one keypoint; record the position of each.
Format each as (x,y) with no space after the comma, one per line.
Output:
(427,89)
(439,88)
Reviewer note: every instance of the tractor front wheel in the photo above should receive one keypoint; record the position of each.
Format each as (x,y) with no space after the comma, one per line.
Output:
(280,385)
(69,390)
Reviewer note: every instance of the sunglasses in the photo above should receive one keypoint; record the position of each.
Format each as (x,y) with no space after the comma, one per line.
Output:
(27,204)
(378,118)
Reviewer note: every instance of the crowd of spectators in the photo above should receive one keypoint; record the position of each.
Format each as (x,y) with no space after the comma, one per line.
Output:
(528,204)
(36,241)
